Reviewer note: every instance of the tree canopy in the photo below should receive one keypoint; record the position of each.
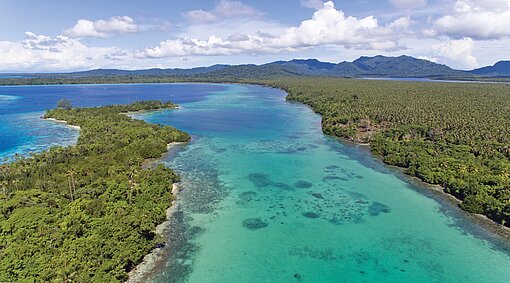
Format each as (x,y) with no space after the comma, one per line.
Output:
(86,213)
(64,104)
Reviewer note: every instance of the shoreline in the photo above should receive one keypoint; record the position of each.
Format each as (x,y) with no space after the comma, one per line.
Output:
(494,229)
(170,149)
(147,111)
(498,231)
(62,122)
(150,261)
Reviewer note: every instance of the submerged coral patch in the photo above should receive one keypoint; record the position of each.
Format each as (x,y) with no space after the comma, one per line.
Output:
(247,196)
(254,223)
(332,167)
(333,177)
(326,254)
(260,180)
(310,215)
(376,208)
(317,195)
(303,184)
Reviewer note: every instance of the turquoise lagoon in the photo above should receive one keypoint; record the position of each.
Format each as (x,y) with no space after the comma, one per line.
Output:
(268,198)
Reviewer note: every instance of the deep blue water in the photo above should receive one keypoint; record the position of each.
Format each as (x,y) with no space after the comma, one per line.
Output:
(22,132)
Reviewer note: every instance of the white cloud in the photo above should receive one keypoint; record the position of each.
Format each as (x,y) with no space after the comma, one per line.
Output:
(235,8)
(431,59)
(103,28)
(401,23)
(483,19)
(200,16)
(223,10)
(457,53)
(328,26)
(312,4)
(40,52)
(408,4)
(331,26)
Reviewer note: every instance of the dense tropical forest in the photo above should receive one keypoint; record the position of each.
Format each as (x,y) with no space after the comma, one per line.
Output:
(451,134)
(86,213)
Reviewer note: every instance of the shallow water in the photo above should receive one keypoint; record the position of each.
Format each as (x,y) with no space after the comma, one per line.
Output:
(268,198)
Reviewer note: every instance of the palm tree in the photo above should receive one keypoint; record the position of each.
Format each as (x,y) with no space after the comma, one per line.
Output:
(131,174)
(3,185)
(71,183)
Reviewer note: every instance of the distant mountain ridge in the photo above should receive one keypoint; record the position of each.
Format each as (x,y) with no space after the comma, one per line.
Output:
(377,66)
(148,72)
(500,69)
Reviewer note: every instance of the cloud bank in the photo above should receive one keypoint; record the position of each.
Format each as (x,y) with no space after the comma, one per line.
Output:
(328,26)
(103,28)
(57,53)
(480,19)
(458,52)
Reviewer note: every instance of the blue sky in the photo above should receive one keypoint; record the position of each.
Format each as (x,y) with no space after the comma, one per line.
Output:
(48,36)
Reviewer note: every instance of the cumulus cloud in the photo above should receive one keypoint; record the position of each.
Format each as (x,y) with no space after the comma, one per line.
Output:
(480,19)
(401,23)
(312,4)
(328,26)
(103,28)
(223,10)
(457,53)
(408,4)
(41,52)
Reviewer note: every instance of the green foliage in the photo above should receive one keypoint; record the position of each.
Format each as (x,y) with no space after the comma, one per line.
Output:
(65,104)
(451,134)
(86,213)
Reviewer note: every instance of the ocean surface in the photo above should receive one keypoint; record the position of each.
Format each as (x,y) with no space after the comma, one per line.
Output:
(22,131)
(268,198)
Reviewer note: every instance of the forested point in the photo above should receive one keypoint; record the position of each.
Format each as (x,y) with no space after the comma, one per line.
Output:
(455,135)
(86,213)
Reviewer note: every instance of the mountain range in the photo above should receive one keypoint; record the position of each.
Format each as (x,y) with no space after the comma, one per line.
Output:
(377,66)
(500,69)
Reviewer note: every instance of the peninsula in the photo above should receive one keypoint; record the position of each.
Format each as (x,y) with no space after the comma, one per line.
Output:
(87,212)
